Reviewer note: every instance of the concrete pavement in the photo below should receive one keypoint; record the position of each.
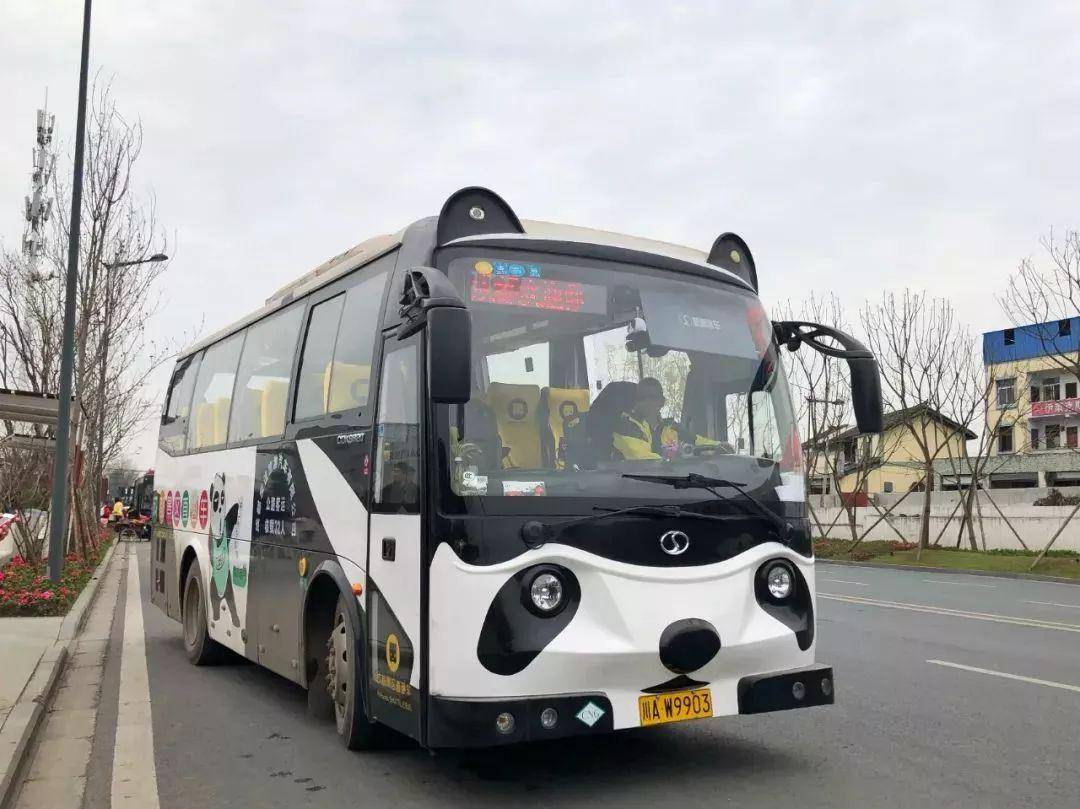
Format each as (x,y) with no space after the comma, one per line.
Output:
(24,641)
(953,690)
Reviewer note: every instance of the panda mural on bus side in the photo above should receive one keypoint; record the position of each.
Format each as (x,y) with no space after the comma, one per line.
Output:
(224,575)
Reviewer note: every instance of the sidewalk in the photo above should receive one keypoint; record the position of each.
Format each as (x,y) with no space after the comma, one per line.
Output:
(34,652)
(24,641)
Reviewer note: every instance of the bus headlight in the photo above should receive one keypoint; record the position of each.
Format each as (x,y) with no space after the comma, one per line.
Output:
(780,581)
(546,593)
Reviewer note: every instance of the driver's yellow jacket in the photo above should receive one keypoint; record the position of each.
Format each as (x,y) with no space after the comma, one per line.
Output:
(634,440)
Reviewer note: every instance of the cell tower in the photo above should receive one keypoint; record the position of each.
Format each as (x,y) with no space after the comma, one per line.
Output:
(38,202)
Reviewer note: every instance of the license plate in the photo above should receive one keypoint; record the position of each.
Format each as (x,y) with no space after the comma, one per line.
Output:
(675,706)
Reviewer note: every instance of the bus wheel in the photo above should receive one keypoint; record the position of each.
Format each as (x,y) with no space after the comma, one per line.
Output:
(200,647)
(343,683)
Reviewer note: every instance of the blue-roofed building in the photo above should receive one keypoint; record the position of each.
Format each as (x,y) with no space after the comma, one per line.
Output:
(1036,403)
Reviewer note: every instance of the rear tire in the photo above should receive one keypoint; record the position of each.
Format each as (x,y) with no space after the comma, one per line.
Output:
(201,649)
(345,685)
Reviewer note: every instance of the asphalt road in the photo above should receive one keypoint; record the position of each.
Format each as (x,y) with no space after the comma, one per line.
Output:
(904,731)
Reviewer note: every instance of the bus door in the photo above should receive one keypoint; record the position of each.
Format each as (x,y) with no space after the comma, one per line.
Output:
(394,547)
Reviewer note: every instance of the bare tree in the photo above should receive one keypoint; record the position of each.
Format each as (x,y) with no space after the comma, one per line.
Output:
(1040,295)
(116,297)
(820,391)
(927,361)
(1041,301)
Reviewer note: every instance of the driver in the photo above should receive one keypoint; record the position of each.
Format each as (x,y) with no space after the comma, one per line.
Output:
(642,433)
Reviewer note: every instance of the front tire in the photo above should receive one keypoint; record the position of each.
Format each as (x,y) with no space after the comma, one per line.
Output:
(345,683)
(201,649)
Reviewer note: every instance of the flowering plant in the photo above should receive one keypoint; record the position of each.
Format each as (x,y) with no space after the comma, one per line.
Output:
(25,590)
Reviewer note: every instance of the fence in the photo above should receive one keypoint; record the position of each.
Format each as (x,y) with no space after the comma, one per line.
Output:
(1034,524)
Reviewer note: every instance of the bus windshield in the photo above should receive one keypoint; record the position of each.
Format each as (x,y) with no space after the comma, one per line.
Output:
(584,372)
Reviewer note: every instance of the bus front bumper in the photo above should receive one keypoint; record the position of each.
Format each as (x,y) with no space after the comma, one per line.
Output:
(476,722)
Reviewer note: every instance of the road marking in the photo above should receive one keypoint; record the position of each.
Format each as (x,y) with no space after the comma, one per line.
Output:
(1006,675)
(961,583)
(845,581)
(134,778)
(1052,604)
(977,616)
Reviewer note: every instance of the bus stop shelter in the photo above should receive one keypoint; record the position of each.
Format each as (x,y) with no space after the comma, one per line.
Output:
(26,407)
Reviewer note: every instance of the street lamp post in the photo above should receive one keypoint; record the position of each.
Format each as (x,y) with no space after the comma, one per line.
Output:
(58,509)
(105,339)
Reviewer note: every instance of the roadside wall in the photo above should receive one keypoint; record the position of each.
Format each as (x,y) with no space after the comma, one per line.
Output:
(1035,524)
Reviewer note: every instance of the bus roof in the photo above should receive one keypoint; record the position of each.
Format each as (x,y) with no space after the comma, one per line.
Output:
(370,249)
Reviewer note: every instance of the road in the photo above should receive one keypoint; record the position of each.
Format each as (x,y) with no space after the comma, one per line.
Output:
(953,690)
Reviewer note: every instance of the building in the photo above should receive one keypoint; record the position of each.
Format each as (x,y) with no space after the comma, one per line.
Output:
(1034,408)
(892,461)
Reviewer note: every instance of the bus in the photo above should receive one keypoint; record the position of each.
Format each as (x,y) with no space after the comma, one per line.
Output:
(491,480)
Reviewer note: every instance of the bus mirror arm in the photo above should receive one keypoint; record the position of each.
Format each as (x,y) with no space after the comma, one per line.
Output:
(862,365)
(429,301)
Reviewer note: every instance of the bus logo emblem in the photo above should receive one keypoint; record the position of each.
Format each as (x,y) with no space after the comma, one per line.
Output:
(393,653)
(674,542)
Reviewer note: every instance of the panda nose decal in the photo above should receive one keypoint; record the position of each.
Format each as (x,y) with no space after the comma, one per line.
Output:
(689,644)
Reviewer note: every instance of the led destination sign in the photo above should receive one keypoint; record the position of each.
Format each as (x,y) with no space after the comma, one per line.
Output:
(531,292)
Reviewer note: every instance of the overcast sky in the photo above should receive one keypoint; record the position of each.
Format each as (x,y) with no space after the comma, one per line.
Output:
(855,149)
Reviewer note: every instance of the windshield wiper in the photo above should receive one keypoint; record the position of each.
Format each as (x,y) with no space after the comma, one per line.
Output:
(784,529)
(536,533)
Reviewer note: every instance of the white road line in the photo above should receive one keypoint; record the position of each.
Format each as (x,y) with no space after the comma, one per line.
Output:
(134,779)
(977,616)
(845,581)
(1006,675)
(961,583)
(1053,604)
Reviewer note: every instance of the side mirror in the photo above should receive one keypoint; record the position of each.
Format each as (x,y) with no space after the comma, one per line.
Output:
(449,355)
(429,300)
(865,376)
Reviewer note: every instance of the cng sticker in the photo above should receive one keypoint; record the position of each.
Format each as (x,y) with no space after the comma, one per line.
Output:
(185,513)
(168,507)
(590,714)
(204,509)
(393,652)
(176,510)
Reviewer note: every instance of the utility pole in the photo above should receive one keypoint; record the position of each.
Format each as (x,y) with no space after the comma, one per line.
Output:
(58,509)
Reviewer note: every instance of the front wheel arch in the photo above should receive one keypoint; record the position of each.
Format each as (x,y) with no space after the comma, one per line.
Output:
(325,585)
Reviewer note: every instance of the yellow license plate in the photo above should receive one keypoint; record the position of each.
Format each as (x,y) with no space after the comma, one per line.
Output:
(674,706)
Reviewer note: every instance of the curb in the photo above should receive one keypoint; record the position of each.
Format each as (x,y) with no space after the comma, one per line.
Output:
(25,718)
(993,574)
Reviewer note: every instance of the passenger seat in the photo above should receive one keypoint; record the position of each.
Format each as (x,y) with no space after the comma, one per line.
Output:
(560,407)
(272,416)
(347,387)
(515,408)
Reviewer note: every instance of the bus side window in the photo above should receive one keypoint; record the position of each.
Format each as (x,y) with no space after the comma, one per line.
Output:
(350,374)
(397,448)
(178,405)
(262,382)
(311,387)
(208,425)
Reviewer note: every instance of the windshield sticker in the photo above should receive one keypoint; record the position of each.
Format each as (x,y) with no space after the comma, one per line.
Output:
(590,714)
(472,483)
(524,488)
(792,488)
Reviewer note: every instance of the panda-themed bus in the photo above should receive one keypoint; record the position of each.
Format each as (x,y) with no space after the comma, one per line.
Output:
(490,480)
